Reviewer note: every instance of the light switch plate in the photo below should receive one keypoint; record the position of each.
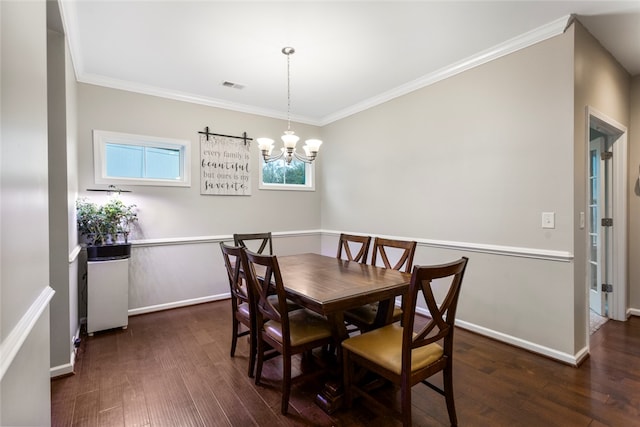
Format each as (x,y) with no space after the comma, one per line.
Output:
(548,220)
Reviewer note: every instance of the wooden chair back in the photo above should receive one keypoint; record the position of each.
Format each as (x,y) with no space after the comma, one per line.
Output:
(361,243)
(263,286)
(405,260)
(421,354)
(242,302)
(276,322)
(261,241)
(443,314)
(233,262)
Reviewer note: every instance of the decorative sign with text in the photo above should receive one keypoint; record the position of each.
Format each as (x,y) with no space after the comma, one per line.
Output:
(224,166)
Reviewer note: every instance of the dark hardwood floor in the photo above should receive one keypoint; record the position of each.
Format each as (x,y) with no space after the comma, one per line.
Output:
(172,368)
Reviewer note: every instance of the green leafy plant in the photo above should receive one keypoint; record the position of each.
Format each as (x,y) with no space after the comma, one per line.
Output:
(101,224)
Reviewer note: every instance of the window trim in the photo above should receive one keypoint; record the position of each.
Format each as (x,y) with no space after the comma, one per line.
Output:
(310,178)
(101,138)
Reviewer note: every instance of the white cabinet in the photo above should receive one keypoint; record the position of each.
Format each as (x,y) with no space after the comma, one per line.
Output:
(107,295)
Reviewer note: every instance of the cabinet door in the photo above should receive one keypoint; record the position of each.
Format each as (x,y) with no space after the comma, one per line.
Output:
(108,295)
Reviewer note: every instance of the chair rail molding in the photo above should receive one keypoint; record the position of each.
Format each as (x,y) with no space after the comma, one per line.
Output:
(13,342)
(522,252)
(73,255)
(189,240)
(543,254)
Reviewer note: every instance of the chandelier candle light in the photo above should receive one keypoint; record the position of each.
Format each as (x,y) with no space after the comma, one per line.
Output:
(289,139)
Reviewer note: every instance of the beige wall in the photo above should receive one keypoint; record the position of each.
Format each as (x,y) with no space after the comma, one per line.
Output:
(24,231)
(600,83)
(473,161)
(183,212)
(634,198)
(63,187)
(174,267)
(465,166)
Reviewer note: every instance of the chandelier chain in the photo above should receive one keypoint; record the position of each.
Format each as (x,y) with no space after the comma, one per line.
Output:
(289,139)
(288,91)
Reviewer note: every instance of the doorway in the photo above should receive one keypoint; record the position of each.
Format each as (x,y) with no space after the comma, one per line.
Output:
(607,222)
(600,215)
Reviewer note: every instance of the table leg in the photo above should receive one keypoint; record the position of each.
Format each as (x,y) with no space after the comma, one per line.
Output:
(384,316)
(330,398)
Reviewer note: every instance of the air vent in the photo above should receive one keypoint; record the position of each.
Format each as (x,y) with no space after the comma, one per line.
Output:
(233,85)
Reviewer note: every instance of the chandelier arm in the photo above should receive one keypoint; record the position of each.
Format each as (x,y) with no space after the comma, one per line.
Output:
(303,158)
(289,138)
(268,159)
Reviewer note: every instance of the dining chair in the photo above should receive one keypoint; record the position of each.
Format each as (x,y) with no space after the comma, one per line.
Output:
(264,241)
(361,244)
(242,302)
(405,357)
(287,332)
(384,250)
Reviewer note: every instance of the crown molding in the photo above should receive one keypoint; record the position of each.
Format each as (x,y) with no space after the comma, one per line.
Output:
(175,95)
(522,41)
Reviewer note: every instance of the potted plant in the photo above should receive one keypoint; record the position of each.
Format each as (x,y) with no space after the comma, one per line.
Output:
(102,225)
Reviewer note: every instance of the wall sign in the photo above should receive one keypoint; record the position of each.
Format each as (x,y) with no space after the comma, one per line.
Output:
(224,165)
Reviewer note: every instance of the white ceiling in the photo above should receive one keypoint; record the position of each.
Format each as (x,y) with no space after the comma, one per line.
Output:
(349,55)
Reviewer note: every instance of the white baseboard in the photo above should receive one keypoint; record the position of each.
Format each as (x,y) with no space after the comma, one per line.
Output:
(176,304)
(633,312)
(571,359)
(582,355)
(567,358)
(65,369)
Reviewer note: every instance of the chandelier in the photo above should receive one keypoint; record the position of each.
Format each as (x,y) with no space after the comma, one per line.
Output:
(289,139)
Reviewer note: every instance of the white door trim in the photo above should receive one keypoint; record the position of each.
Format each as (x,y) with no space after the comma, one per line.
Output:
(618,307)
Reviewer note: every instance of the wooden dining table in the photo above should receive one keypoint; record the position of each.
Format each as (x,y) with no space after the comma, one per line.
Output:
(329,286)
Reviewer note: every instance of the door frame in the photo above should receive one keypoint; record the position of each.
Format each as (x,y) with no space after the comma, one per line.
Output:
(618,301)
(604,237)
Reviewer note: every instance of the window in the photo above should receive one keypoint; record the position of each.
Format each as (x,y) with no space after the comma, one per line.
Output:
(279,176)
(121,158)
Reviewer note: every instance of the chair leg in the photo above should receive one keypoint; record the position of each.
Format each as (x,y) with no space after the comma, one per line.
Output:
(252,352)
(347,375)
(260,359)
(447,374)
(234,335)
(286,382)
(405,397)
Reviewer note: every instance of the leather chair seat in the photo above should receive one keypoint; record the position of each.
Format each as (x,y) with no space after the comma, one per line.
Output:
(304,327)
(273,299)
(291,306)
(366,314)
(383,346)
(243,310)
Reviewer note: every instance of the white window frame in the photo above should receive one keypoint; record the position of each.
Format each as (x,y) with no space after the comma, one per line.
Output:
(310,179)
(101,138)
